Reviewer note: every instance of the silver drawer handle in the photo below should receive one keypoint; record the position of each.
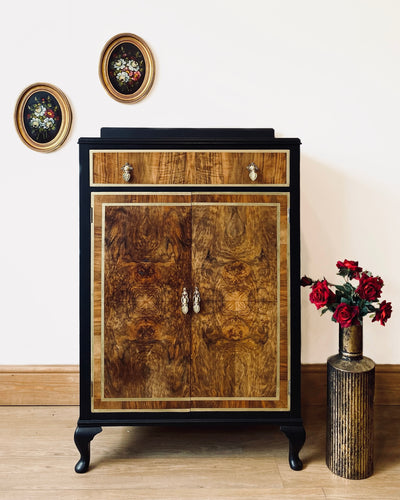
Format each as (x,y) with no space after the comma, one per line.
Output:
(253,169)
(185,301)
(196,300)
(126,172)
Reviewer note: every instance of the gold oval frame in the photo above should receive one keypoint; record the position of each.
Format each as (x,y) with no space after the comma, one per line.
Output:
(147,83)
(66,117)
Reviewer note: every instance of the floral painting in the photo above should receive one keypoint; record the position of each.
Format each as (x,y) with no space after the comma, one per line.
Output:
(126,68)
(42,117)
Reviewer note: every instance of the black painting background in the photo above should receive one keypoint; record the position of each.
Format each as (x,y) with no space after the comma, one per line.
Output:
(132,52)
(34,134)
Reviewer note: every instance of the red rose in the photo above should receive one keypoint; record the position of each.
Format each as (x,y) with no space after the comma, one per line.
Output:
(384,312)
(346,315)
(351,266)
(321,295)
(370,287)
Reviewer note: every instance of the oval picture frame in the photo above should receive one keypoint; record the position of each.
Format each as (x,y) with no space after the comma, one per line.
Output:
(43,117)
(127,68)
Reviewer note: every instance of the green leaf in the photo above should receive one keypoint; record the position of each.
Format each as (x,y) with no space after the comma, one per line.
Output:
(343,272)
(349,288)
(364,311)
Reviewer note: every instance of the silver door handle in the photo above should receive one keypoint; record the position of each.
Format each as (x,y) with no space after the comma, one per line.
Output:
(196,300)
(185,301)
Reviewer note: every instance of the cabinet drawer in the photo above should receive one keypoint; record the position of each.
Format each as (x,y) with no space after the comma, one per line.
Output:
(232,167)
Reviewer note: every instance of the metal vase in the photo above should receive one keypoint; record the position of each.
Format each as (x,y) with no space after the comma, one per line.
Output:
(350,395)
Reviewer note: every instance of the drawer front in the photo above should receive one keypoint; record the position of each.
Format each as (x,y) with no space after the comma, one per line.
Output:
(232,168)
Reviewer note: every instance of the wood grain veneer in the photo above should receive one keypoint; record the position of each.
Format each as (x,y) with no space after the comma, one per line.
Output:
(240,337)
(142,249)
(147,354)
(190,167)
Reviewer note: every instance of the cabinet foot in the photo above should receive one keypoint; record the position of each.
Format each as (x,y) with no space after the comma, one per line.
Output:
(296,435)
(82,437)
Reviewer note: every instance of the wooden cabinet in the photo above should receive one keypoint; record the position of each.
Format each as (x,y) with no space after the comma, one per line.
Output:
(189,280)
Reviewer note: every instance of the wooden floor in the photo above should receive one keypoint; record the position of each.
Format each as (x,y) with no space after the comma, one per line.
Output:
(37,458)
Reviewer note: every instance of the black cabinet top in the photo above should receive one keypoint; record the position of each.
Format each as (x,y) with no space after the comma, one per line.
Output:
(231,137)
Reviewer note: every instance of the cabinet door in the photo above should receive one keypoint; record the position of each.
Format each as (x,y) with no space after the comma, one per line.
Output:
(240,337)
(141,260)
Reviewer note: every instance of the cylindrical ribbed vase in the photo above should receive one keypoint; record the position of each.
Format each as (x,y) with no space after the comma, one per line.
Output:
(350,432)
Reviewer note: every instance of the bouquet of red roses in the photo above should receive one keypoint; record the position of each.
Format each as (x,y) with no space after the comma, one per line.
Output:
(349,303)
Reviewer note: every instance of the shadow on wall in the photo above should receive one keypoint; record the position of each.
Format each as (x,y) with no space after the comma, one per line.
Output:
(347,217)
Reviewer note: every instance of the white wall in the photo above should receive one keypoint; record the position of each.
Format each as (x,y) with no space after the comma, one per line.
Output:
(327,72)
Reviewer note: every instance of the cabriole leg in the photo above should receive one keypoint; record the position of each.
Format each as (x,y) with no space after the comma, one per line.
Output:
(83,436)
(296,435)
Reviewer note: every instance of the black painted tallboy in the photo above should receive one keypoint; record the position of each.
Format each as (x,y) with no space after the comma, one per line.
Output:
(189,273)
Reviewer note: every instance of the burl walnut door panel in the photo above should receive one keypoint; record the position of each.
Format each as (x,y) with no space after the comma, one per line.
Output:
(233,354)
(141,340)
(240,336)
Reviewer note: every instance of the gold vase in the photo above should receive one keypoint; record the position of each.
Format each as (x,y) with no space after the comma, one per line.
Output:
(350,397)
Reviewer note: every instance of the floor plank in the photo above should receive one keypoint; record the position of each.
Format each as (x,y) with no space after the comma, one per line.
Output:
(37,457)
(174,494)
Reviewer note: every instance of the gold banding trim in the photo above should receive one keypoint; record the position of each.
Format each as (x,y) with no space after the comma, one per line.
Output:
(139,204)
(255,398)
(274,398)
(141,410)
(239,409)
(147,193)
(185,410)
(196,399)
(232,204)
(146,399)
